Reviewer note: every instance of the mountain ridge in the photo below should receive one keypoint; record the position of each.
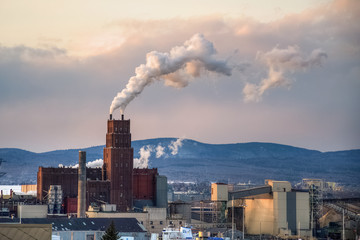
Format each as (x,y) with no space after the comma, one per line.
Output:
(199,161)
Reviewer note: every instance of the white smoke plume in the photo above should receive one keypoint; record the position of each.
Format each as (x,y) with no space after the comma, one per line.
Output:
(143,161)
(175,145)
(160,151)
(94,164)
(280,62)
(176,68)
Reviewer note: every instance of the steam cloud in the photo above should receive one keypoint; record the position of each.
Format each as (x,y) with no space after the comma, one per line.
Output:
(145,152)
(94,164)
(175,145)
(279,62)
(176,68)
(160,151)
(143,161)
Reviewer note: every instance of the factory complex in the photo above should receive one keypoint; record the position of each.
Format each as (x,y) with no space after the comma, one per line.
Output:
(80,203)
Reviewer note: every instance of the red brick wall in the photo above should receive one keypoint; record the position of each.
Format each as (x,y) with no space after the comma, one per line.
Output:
(144,183)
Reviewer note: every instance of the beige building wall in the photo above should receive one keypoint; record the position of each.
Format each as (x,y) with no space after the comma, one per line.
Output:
(280,211)
(303,213)
(259,216)
(279,186)
(28,188)
(154,220)
(32,211)
(219,192)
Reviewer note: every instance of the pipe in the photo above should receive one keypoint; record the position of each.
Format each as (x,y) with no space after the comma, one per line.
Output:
(81,185)
(122,116)
(110,116)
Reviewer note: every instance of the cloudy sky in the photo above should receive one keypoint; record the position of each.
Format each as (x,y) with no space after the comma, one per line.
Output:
(292,71)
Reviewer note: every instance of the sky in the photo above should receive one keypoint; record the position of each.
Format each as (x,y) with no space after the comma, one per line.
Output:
(293,71)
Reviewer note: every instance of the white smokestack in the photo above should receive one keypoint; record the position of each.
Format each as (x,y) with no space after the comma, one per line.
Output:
(176,67)
(279,62)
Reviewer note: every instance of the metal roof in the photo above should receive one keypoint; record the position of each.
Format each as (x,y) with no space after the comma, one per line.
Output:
(25,231)
(250,192)
(83,224)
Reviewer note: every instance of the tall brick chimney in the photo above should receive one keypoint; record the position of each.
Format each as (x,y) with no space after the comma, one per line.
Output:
(81,207)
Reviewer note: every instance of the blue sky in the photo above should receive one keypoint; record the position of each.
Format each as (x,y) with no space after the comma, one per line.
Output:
(61,65)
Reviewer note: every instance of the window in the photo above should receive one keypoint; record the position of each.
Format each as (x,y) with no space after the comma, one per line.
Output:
(151,222)
(90,237)
(152,226)
(161,222)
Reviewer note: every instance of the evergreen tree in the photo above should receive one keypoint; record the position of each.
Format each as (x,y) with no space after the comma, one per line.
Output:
(110,233)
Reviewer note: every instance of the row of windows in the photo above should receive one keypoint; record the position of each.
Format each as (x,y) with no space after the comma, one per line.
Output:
(151,222)
(120,129)
(121,140)
(121,155)
(161,223)
(121,165)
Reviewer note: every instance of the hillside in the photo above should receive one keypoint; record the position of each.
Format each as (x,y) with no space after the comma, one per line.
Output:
(196,161)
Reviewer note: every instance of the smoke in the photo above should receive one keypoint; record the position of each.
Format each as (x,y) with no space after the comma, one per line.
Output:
(160,151)
(176,68)
(175,145)
(280,62)
(94,164)
(143,161)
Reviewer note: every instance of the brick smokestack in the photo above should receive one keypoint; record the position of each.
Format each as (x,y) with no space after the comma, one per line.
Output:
(81,185)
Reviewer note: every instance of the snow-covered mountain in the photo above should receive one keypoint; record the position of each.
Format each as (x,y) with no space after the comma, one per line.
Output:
(185,159)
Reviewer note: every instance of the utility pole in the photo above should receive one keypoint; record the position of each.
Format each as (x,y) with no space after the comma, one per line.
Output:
(312,222)
(232,219)
(343,225)
(243,222)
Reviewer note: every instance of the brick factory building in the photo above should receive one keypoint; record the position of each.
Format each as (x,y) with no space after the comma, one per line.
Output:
(118,163)
(115,183)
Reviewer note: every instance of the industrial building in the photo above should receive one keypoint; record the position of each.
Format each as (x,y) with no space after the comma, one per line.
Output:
(274,209)
(116,183)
